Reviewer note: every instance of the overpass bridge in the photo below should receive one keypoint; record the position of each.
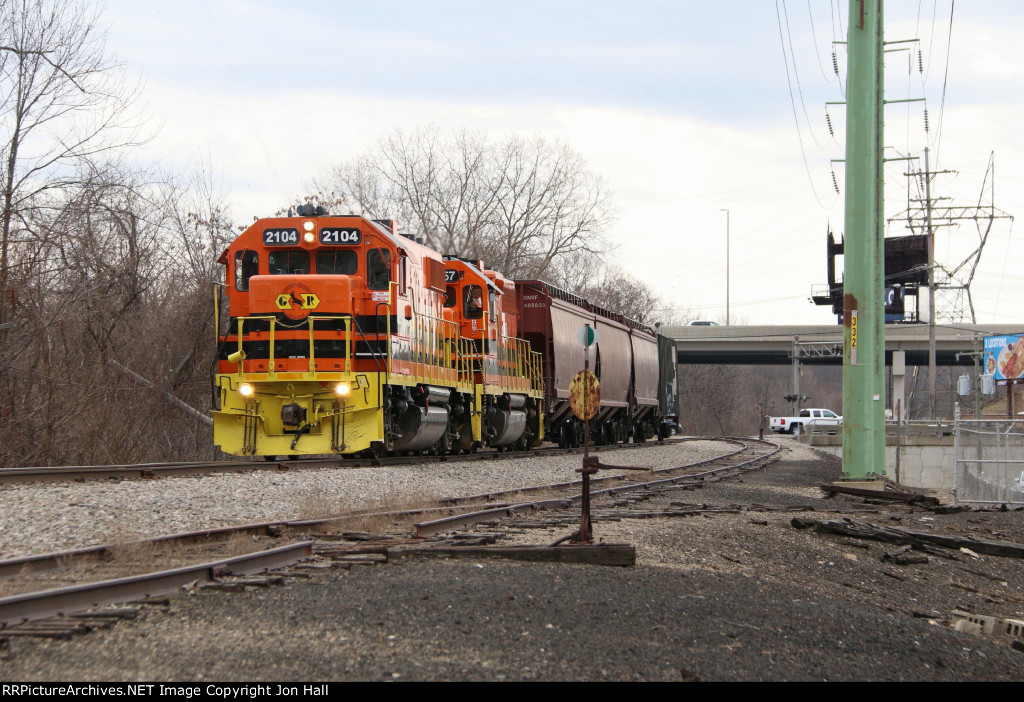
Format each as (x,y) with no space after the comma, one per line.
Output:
(774,345)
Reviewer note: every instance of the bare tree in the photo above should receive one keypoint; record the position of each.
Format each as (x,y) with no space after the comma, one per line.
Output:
(62,100)
(548,206)
(114,336)
(609,286)
(521,205)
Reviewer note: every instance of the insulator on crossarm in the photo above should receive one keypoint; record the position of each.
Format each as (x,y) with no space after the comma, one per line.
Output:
(835,182)
(828,118)
(920,62)
(835,63)
(926,119)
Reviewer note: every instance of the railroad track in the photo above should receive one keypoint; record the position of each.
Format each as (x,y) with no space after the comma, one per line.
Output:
(149,471)
(751,454)
(313,545)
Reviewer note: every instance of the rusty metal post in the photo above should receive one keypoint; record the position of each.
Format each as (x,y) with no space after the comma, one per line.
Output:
(586,535)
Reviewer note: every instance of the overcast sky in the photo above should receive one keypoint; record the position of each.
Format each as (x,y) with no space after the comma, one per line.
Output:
(685,107)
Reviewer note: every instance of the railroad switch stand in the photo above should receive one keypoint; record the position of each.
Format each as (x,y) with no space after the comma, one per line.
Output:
(592,464)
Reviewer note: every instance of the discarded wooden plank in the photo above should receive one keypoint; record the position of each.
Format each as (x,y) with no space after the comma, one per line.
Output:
(650,514)
(126,613)
(903,556)
(223,587)
(53,633)
(93,624)
(479,541)
(597,554)
(362,558)
(258,581)
(863,530)
(490,538)
(317,566)
(333,550)
(888,495)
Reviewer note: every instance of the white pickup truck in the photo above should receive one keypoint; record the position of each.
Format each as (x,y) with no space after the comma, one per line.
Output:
(820,419)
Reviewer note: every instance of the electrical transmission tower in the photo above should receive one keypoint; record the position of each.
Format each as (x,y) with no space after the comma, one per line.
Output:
(950,281)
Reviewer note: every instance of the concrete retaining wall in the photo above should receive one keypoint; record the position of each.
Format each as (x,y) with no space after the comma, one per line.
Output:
(925,461)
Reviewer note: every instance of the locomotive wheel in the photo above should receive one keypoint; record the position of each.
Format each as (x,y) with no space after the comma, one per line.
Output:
(270,459)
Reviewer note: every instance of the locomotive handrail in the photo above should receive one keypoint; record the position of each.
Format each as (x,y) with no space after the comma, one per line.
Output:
(310,323)
(431,361)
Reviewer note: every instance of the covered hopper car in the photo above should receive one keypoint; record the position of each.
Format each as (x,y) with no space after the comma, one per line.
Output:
(625,360)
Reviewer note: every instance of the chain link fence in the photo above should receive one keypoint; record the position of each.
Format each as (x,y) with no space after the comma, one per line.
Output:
(989,462)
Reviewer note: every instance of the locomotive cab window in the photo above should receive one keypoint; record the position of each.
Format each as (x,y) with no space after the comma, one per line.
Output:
(247,264)
(288,262)
(450,296)
(343,262)
(472,302)
(378,269)
(492,300)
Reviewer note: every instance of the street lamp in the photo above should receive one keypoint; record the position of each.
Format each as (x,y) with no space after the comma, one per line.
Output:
(726,265)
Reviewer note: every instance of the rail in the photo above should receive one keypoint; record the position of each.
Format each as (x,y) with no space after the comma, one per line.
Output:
(424,529)
(18,609)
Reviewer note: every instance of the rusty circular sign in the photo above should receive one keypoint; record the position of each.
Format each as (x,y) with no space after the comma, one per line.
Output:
(584,395)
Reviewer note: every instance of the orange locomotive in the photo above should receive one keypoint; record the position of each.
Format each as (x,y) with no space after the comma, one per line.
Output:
(345,337)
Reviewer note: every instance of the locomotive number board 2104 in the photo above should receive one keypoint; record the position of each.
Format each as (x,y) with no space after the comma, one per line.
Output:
(287,236)
(335,235)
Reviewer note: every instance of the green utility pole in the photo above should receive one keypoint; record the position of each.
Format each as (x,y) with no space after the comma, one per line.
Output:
(864,257)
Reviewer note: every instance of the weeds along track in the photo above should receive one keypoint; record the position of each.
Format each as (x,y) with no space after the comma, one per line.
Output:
(41,586)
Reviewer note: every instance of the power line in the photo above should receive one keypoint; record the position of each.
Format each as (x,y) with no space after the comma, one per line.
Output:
(796,75)
(945,83)
(817,51)
(796,118)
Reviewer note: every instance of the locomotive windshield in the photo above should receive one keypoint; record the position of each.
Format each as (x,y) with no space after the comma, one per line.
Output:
(288,262)
(247,264)
(378,269)
(472,302)
(343,262)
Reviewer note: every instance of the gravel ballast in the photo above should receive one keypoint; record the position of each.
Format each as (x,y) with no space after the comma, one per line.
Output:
(740,596)
(57,517)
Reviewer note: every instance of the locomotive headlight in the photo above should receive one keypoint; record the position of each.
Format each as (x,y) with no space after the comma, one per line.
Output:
(342,389)
(308,237)
(246,390)
(308,225)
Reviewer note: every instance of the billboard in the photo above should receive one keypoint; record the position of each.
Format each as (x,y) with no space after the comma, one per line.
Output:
(1004,356)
